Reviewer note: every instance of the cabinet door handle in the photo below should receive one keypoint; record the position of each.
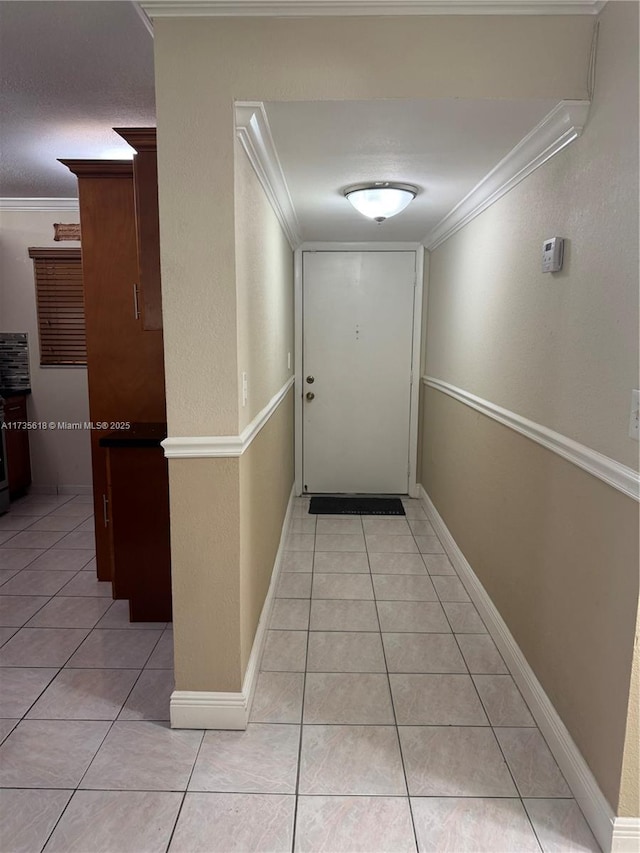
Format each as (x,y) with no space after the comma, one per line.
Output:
(105,510)
(136,306)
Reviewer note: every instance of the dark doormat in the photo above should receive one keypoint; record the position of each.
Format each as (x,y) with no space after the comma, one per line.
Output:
(356,506)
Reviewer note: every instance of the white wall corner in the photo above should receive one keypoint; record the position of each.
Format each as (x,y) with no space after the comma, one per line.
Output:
(254,133)
(557,129)
(61,204)
(580,779)
(208,710)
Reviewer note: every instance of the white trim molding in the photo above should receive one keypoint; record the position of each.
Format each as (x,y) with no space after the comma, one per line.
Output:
(309,8)
(557,129)
(205,446)
(191,709)
(146,20)
(615,474)
(254,133)
(626,835)
(580,779)
(71,204)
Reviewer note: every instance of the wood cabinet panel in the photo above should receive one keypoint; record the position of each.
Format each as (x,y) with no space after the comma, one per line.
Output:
(104,550)
(139,511)
(125,362)
(125,368)
(145,180)
(17,441)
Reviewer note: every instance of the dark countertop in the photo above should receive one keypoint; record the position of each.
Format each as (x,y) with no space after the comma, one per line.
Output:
(14,392)
(138,435)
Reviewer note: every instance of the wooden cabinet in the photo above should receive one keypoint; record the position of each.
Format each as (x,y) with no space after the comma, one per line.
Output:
(17,440)
(125,361)
(145,181)
(138,489)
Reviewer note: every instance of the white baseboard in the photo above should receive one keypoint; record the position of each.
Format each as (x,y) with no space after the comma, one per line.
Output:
(613,837)
(198,709)
(39,489)
(203,710)
(75,490)
(626,835)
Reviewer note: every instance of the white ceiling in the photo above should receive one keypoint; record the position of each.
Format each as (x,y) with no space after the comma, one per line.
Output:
(445,147)
(69,72)
(72,70)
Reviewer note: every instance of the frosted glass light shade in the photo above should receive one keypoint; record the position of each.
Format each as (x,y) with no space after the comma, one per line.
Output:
(380,200)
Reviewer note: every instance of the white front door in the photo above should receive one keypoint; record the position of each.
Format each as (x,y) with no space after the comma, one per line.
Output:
(358,312)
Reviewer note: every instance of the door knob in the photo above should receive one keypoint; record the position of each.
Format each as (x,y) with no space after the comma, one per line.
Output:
(310,395)
(310,380)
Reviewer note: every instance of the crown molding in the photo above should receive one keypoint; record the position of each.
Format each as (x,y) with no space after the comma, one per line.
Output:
(40,204)
(206,446)
(146,20)
(315,8)
(62,253)
(100,168)
(556,130)
(615,474)
(254,133)
(139,138)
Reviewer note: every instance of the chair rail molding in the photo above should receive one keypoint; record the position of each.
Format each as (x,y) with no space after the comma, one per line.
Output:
(71,204)
(615,474)
(254,133)
(614,834)
(558,128)
(313,8)
(205,446)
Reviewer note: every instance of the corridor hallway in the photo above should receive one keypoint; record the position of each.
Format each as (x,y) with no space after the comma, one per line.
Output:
(384,717)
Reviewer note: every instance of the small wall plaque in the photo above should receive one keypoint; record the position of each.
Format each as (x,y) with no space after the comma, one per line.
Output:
(66,231)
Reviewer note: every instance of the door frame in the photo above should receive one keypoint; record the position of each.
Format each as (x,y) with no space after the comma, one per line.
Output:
(418,249)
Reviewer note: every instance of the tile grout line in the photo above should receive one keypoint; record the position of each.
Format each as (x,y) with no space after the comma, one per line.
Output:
(393,707)
(294,827)
(482,704)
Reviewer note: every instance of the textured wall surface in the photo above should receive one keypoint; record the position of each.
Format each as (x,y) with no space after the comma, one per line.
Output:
(205,553)
(58,457)
(202,65)
(266,479)
(556,549)
(560,349)
(264,281)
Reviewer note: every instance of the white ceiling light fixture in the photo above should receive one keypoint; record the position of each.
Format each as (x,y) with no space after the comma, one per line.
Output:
(381,199)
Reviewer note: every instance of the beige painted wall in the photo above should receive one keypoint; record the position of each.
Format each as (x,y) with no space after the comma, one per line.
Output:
(264,286)
(227,514)
(559,349)
(203,64)
(556,549)
(58,457)
(205,577)
(266,480)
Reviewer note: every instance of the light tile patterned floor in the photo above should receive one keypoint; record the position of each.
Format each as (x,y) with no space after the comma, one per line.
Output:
(384,719)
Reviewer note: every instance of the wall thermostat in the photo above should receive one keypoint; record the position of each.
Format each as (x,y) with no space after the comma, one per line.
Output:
(552,254)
